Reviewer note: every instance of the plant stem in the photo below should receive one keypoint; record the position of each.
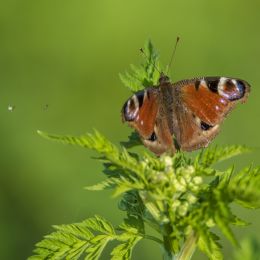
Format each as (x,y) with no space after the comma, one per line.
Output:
(168,254)
(168,243)
(188,247)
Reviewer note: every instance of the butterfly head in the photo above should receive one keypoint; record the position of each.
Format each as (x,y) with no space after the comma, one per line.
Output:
(163,79)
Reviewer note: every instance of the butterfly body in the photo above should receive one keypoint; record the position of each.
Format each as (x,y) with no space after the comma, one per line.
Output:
(190,111)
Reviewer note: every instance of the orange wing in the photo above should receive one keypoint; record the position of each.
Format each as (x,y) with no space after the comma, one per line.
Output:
(141,112)
(202,105)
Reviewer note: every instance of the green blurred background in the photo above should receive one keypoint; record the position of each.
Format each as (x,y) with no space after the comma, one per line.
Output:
(59,65)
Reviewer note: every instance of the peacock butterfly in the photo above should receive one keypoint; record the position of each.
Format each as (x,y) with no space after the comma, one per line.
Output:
(190,110)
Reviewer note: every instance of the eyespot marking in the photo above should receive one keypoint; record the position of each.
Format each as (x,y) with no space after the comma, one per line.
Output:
(204,126)
(232,89)
(213,85)
(229,85)
(197,84)
(140,97)
(131,104)
(153,137)
(130,109)
(241,87)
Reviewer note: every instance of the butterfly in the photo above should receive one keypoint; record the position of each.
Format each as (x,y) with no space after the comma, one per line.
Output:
(185,115)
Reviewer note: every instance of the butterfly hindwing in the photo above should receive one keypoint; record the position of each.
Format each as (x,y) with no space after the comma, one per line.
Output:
(161,140)
(193,134)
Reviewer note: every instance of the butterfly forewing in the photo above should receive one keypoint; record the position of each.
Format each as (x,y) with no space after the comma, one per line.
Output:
(140,111)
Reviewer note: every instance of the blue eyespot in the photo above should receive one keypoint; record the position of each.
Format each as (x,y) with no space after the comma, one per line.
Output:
(241,88)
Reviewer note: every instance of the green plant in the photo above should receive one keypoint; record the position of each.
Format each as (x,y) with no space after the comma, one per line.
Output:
(182,198)
(249,250)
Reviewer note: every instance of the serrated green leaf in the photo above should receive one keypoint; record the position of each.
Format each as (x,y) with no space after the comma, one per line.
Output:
(97,245)
(216,154)
(147,74)
(201,170)
(225,178)
(106,184)
(121,159)
(100,224)
(129,229)
(92,141)
(59,245)
(135,222)
(124,250)
(238,221)
(208,243)
(245,188)
(132,204)
(123,185)
(226,230)
(74,240)
(77,230)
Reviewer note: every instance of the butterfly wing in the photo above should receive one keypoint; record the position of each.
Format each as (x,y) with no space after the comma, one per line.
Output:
(142,112)
(201,105)
(191,110)
(161,139)
(190,135)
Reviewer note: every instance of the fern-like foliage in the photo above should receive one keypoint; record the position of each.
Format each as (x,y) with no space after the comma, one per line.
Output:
(145,75)
(168,193)
(181,198)
(87,239)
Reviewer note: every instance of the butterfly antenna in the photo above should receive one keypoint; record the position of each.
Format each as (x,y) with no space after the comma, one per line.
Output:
(173,54)
(142,51)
